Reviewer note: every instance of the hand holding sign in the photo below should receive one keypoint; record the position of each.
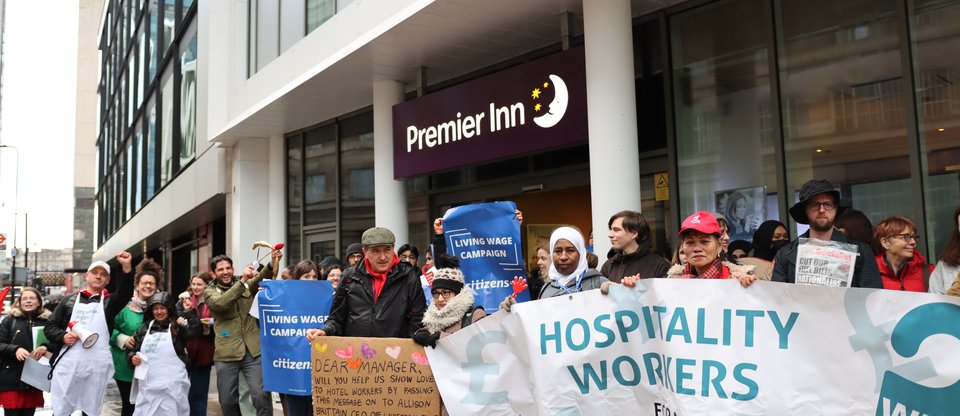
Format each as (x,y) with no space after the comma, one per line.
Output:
(519,285)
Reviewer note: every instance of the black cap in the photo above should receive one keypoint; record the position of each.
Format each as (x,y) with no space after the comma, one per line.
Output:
(809,190)
(354,248)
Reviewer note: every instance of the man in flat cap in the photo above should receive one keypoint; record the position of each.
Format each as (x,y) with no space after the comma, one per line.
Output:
(380,297)
(819,206)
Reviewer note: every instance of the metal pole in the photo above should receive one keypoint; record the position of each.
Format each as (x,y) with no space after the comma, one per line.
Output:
(16,205)
(26,245)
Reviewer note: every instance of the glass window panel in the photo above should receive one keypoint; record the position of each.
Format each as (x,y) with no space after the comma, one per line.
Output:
(169,20)
(138,169)
(356,154)
(294,203)
(188,101)
(321,169)
(186,6)
(935,40)
(268,32)
(319,11)
(151,149)
(141,66)
(166,126)
(132,177)
(156,49)
(292,30)
(843,103)
(722,85)
(131,90)
(124,184)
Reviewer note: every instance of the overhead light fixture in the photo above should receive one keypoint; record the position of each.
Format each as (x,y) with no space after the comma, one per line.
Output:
(941,129)
(819,150)
(532,188)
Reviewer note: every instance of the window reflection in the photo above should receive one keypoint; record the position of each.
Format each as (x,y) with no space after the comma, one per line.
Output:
(188,101)
(843,102)
(722,90)
(166,127)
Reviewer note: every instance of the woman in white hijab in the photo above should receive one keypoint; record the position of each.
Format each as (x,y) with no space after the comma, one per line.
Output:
(568,272)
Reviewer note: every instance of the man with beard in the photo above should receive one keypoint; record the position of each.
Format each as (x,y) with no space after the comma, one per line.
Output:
(819,206)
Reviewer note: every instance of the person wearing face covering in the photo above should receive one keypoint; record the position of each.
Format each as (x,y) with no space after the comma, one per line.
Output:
(769,238)
(569,272)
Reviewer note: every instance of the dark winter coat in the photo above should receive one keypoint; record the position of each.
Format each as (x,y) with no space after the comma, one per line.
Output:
(396,314)
(199,349)
(180,336)
(865,274)
(16,331)
(642,261)
(112,305)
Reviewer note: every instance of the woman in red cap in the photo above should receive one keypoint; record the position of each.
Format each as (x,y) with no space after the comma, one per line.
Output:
(700,243)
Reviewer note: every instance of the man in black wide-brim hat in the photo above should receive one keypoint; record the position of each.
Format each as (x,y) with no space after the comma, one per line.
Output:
(819,206)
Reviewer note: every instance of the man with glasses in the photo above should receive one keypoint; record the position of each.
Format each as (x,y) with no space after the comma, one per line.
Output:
(819,206)
(380,297)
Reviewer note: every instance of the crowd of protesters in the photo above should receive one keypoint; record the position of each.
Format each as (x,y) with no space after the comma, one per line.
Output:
(380,292)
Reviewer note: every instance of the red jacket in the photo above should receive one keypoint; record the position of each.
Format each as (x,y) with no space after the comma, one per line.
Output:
(911,275)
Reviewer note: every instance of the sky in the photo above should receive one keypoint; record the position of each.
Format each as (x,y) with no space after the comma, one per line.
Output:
(37,116)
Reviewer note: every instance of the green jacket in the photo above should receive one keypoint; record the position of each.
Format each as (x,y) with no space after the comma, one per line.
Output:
(126,323)
(236,331)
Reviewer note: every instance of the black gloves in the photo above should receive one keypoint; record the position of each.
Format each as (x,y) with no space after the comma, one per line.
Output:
(426,339)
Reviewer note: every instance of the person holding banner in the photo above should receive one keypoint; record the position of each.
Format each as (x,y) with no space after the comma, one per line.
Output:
(700,241)
(630,240)
(237,342)
(379,298)
(17,344)
(452,307)
(568,272)
(160,353)
(127,322)
(81,370)
(901,266)
(819,206)
(948,266)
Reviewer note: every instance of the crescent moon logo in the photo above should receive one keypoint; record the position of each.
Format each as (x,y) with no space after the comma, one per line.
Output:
(557,107)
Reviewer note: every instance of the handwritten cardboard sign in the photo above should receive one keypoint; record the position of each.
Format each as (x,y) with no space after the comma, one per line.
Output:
(376,376)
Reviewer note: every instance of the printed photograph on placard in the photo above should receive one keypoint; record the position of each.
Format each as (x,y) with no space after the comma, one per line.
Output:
(745,209)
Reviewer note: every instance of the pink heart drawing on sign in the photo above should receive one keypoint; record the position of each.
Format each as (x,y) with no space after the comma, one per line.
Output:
(419,358)
(345,353)
(393,351)
(367,351)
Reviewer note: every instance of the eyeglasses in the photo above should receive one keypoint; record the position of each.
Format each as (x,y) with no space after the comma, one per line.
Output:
(446,294)
(826,206)
(906,237)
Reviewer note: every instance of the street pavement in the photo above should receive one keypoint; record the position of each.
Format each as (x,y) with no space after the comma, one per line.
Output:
(111,406)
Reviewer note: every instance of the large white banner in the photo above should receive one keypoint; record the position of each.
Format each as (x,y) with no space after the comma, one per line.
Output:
(697,347)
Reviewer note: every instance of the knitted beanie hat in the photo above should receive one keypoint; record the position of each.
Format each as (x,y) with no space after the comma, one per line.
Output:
(448,275)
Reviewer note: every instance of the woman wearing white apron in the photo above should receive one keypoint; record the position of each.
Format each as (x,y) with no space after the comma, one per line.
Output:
(161,385)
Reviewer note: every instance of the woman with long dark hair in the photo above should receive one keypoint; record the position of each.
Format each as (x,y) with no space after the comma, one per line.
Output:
(948,267)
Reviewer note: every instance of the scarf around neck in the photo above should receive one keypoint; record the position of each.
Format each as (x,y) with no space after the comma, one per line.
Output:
(436,319)
(574,237)
(715,271)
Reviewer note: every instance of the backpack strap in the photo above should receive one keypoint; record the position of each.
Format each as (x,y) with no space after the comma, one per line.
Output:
(468,316)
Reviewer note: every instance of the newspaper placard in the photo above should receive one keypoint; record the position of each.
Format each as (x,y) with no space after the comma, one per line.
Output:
(375,376)
(825,263)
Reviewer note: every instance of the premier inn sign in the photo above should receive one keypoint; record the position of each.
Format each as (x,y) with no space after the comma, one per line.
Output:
(527,108)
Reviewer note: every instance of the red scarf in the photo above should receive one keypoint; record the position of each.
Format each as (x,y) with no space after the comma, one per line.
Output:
(716,271)
(379,279)
(197,301)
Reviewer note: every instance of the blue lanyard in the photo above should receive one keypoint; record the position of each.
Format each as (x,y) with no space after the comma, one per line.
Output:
(577,288)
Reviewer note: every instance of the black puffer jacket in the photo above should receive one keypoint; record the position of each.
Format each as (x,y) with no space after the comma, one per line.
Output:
(397,313)
(16,332)
(642,261)
(180,336)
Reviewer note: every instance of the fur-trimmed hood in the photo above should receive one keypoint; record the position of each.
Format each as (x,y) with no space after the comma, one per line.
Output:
(17,313)
(436,319)
(735,269)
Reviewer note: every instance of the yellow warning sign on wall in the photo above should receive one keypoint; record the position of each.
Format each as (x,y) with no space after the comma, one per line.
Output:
(662,185)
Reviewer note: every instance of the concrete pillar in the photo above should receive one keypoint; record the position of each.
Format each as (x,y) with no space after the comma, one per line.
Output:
(611,114)
(248,207)
(390,198)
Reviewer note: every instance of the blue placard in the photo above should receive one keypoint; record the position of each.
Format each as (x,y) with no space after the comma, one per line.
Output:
(288,308)
(486,238)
